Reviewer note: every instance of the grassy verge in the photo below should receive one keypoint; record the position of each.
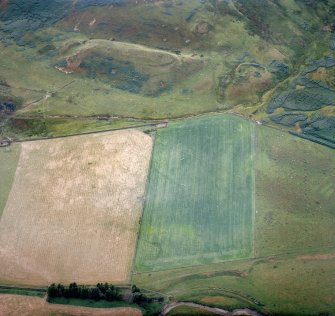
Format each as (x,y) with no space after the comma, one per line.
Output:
(9,157)
(295,194)
(25,128)
(22,291)
(147,309)
(90,303)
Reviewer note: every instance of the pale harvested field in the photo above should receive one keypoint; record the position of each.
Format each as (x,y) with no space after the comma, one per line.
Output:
(16,305)
(74,209)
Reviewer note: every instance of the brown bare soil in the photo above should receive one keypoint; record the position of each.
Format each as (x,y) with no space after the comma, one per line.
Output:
(74,209)
(16,305)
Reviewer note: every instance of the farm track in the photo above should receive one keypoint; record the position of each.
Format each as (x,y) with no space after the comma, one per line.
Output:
(107,118)
(130,118)
(292,254)
(89,133)
(216,311)
(47,95)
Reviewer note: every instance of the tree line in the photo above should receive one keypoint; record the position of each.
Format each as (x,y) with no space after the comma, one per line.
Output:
(102,291)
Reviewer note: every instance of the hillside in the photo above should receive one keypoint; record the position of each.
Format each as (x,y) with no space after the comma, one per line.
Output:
(185,146)
(271,60)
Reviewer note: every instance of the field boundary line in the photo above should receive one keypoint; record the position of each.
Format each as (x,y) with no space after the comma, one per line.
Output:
(253,175)
(203,265)
(89,133)
(12,172)
(291,255)
(132,271)
(200,151)
(173,119)
(28,288)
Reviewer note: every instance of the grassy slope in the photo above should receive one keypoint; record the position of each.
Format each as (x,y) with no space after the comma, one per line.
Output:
(238,32)
(9,157)
(280,279)
(229,40)
(199,206)
(30,77)
(295,194)
(281,284)
(84,96)
(106,100)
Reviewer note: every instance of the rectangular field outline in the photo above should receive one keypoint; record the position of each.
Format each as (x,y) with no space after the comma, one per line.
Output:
(74,209)
(213,260)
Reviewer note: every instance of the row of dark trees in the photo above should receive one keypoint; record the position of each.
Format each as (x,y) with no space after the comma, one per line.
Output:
(102,291)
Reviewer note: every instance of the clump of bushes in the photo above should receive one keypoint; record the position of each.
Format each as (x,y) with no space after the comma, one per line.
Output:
(326,61)
(303,100)
(288,119)
(140,298)
(121,74)
(321,127)
(279,69)
(314,95)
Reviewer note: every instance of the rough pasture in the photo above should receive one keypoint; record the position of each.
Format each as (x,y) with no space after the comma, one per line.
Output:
(74,208)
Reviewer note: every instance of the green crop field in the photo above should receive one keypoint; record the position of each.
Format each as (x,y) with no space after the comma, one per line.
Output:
(199,207)
(9,157)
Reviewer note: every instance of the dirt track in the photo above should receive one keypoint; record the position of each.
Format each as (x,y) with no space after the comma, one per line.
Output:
(215,311)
